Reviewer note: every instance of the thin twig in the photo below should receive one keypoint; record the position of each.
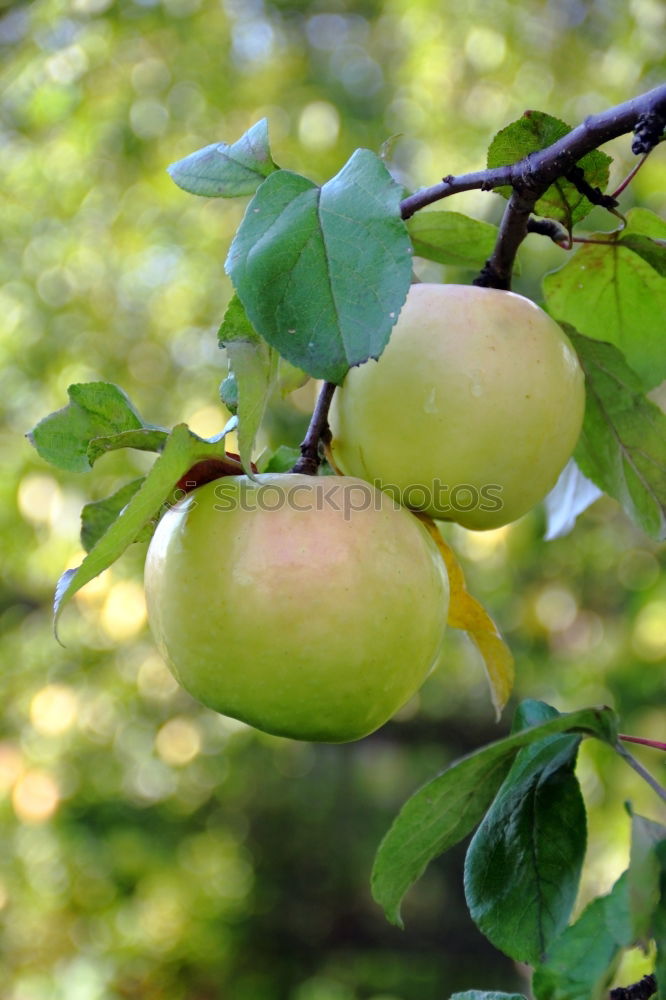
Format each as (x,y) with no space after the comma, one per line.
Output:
(655,744)
(532,176)
(639,769)
(630,176)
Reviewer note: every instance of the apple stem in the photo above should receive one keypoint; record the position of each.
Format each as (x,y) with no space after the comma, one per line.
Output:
(655,744)
(318,431)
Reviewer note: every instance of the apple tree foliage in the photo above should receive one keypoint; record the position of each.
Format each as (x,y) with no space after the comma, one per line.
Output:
(320,273)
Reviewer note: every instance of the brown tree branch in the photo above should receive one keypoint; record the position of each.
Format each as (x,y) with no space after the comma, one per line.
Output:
(531,176)
(317,431)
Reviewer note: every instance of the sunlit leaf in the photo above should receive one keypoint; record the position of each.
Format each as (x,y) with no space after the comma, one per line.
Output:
(652,251)
(609,292)
(226,171)
(96,410)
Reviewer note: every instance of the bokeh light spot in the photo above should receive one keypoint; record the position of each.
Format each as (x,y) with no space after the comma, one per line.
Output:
(53,709)
(178,742)
(35,797)
(556,608)
(649,636)
(319,125)
(124,612)
(39,498)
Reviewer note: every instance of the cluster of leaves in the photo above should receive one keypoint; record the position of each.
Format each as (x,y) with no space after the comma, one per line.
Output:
(523,865)
(320,274)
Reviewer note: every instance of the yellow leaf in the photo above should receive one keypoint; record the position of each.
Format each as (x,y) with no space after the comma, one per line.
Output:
(465,612)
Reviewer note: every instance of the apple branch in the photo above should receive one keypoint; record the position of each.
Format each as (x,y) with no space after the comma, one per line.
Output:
(318,430)
(644,115)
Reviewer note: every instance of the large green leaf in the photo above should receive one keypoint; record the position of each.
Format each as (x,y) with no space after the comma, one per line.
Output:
(536,130)
(622,447)
(224,171)
(98,418)
(452,238)
(323,272)
(612,293)
(446,809)
(523,865)
(581,962)
(182,450)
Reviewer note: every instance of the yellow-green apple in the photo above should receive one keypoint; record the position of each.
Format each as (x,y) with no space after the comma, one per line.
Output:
(309,607)
(471,412)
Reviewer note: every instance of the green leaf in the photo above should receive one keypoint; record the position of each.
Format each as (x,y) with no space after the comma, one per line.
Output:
(254,367)
(486,995)
(180,453)
(537,130)
(95,410)
(644,875)
(143,439)
(612,294)
(446,809)
(324,272)
(570,496)
(290,378)
(523,865)
(281,460)
(581,962)
(652,251)
(622,447)
(224,171)
(99,515)
(451,238)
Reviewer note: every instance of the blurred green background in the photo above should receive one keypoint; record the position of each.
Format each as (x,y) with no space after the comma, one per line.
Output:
(150,848)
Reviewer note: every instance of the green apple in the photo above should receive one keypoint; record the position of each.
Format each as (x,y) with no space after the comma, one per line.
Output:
(309,607)
(471,412)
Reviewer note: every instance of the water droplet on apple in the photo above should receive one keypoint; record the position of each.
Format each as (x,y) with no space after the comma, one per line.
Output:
(430,405)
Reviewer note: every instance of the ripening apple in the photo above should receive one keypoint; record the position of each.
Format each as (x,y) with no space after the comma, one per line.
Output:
(471,412)
(309,607)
